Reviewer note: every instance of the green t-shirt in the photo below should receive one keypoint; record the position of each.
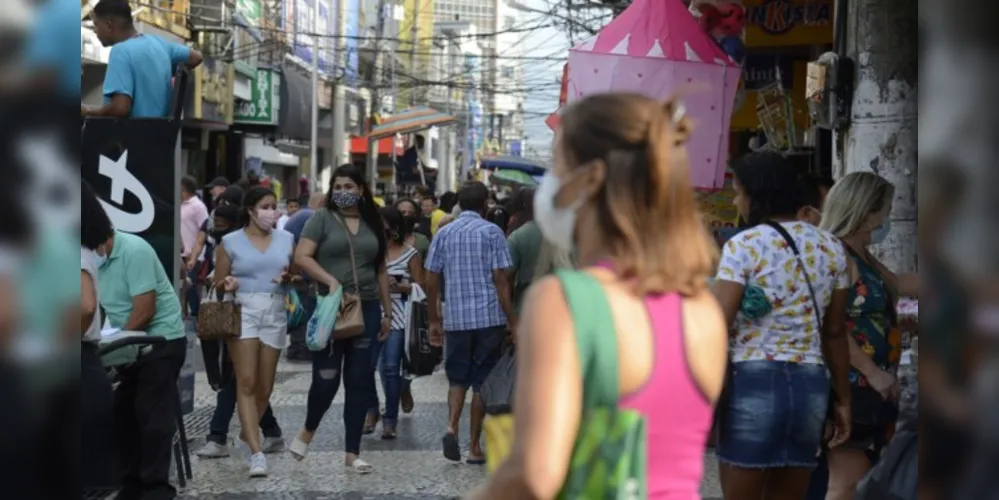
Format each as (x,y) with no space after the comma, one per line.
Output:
(131,270)
(525,246)
(332,252)
(422,245)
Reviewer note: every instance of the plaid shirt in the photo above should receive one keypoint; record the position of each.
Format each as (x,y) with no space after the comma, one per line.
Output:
(466,252)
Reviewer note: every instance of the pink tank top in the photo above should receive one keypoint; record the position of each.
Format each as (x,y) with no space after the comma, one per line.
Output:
(678,414)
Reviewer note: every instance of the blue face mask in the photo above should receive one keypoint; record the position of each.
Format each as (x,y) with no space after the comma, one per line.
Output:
(879,233)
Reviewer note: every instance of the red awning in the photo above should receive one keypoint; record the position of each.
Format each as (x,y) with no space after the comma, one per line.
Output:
(359,146)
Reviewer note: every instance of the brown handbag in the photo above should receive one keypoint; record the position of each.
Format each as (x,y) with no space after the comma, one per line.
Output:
(350,320)
(218,318)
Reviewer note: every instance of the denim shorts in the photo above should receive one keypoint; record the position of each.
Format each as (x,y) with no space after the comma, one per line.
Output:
(469,355)
(773,415)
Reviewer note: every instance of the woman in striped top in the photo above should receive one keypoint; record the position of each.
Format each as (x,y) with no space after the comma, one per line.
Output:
(405,268)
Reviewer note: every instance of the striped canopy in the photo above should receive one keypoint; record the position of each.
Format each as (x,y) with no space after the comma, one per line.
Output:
(410,120)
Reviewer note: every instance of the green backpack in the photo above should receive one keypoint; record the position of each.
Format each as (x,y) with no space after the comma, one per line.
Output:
(608,459)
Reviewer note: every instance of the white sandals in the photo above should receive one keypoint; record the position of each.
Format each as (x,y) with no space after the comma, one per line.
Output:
(360,467)
(299,449)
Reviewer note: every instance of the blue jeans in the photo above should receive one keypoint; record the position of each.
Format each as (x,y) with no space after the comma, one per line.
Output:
(193,297)
(390,369)
(774,415)
(350,358)
(387,358)
(225,407)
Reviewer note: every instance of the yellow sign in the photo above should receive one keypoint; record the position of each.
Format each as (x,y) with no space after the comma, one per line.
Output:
(745,118)
(773,23)
(719,209)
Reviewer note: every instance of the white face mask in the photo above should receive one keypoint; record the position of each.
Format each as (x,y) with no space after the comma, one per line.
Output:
(558,225)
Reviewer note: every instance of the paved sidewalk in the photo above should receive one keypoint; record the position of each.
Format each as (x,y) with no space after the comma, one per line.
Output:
(410,467)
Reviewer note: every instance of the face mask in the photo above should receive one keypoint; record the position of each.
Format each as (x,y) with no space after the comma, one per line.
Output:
(557,224)
(879,233)
(345,199)
(99,259)
(266,219)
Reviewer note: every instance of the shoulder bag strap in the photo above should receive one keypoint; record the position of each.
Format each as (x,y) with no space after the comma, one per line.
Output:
(593,322)
(350,243)
(801,265)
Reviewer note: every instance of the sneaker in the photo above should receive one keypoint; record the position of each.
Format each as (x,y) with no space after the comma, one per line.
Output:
(273,445)
(212,449)
(258,465)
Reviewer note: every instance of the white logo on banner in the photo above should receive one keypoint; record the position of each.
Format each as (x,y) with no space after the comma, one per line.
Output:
(122,180)
(52,191)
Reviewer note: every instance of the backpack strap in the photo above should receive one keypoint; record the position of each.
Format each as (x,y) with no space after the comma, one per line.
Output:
(593,322)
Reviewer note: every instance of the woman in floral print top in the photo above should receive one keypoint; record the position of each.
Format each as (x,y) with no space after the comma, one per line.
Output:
(856,211)
(784,359)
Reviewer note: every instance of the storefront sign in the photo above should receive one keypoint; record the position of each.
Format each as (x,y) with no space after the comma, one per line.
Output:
(746,118)
(760,70)
(210,98)
(771,23)
(261,109)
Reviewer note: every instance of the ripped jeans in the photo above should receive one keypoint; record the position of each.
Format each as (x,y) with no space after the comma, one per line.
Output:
(349,359)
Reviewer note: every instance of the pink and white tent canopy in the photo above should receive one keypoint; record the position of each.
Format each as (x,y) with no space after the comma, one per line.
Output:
(656,48)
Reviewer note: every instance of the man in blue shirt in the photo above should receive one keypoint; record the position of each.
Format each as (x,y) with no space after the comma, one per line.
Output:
(478,309)
(297,350)
(137,83)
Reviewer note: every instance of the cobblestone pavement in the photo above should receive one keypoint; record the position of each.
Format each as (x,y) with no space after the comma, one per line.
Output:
(411,467)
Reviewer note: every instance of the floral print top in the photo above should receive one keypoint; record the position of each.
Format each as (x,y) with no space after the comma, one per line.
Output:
(760,256)
(871,320)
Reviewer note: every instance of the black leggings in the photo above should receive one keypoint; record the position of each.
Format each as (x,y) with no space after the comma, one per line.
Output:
(352,358)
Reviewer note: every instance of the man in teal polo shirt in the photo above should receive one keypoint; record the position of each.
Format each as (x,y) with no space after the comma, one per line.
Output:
(137,295)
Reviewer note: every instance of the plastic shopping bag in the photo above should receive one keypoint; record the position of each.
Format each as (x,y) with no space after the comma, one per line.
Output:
(421,357)
(497,390)
(295,311)
(320,326)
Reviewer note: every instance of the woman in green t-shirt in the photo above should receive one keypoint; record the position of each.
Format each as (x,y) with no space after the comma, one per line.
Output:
(343,241)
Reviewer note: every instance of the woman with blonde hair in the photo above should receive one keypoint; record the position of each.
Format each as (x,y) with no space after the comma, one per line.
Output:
(639,301)
(856,211)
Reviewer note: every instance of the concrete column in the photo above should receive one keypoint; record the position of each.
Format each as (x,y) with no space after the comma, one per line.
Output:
(882,39)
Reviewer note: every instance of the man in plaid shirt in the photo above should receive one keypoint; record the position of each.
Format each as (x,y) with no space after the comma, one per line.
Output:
(478,310)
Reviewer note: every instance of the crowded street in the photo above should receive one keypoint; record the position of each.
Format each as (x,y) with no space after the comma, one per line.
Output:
(410,468)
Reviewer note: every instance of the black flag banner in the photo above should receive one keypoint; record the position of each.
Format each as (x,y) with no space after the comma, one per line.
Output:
(132,167)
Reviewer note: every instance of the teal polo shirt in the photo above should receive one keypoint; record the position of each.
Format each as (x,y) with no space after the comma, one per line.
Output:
(131,270)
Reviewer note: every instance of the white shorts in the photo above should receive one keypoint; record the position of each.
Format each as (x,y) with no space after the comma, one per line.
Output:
(264,318)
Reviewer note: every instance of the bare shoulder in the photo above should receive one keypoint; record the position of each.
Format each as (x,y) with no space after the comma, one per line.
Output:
(546,311)
(705,342)
(705,313)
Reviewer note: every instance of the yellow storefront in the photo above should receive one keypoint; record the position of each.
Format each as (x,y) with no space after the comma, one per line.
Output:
(779,37)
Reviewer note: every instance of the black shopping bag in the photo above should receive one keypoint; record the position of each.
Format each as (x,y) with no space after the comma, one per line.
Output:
(421,357)
(497,390)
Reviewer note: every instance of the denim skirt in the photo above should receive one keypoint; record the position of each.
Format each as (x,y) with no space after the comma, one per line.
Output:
(773,414)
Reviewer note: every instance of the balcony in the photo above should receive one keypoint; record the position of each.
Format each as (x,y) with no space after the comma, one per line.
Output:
(168,15)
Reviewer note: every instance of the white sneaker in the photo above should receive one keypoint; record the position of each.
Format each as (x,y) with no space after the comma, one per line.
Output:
(212,449)
(258,465)
(273,445)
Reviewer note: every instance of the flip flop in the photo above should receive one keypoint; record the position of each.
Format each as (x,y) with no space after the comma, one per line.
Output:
(298,449)
(361,467)
(475,461)
(388,433)
(452,451)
